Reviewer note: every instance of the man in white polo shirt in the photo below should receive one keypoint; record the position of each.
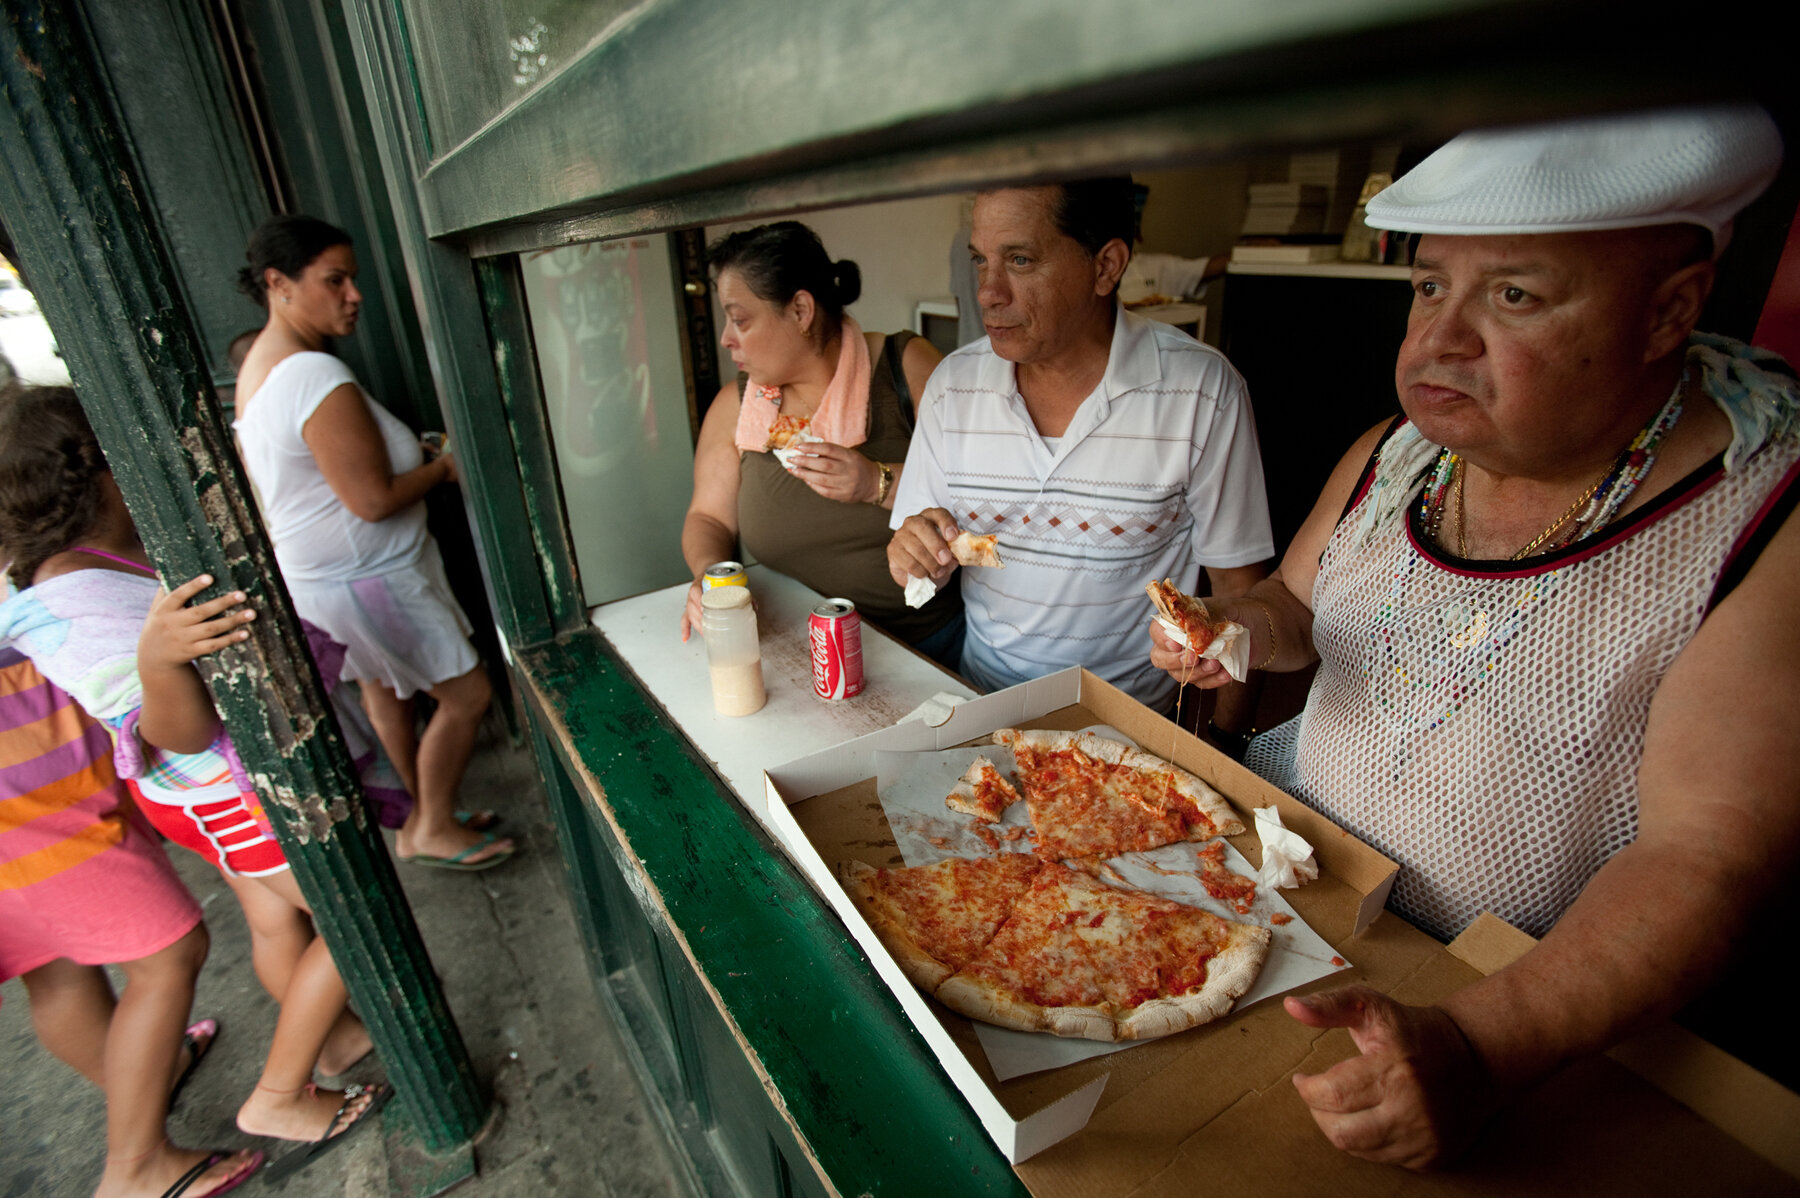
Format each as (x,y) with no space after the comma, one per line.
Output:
(1106,450)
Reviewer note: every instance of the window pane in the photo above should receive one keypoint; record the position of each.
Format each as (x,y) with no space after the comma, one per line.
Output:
(472,59)
(605,322)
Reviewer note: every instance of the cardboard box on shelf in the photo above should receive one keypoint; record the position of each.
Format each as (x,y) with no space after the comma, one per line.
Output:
(1214,1108)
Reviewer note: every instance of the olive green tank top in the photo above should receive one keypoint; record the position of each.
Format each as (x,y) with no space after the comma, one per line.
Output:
(840,549)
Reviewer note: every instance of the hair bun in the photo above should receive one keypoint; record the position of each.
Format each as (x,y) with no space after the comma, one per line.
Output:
(251,285)
(847,277)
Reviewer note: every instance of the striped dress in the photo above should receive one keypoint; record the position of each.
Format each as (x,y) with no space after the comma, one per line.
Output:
(81,874)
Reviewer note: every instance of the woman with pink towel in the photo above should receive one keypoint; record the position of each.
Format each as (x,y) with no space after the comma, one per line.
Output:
(798,455)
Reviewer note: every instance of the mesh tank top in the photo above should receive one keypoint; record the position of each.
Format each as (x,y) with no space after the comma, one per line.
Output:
(1482,722)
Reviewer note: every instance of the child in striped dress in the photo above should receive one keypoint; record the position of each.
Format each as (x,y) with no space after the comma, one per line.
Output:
(83,883)
(91,616)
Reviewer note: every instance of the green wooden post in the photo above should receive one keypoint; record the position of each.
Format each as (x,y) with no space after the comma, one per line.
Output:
(515,368)
(68,193)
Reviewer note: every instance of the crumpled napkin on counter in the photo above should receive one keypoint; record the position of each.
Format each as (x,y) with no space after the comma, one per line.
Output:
(935,710)
(1287,858)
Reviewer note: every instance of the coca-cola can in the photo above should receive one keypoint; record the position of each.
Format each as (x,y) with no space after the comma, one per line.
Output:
(835,631)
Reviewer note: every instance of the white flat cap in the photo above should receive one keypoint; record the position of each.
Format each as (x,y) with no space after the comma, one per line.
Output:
(1697,166)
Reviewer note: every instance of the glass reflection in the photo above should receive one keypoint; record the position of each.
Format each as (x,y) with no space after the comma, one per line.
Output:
(605,321)
(473,59)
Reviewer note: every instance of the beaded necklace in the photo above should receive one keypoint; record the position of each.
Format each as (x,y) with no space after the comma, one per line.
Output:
(1587,515)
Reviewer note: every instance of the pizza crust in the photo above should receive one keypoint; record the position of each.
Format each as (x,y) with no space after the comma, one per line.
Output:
(920,967)
(1229,976)
(1210,802)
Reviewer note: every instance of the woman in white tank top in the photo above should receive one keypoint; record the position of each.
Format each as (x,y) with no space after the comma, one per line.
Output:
(342,482)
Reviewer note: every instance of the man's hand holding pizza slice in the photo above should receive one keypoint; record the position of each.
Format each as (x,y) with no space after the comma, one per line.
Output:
(921,547)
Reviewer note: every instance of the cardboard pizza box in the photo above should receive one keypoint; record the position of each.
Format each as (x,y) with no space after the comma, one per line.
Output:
(823,809)
(1213,1108)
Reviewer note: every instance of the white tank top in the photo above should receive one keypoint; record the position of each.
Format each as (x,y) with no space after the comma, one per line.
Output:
(317,538)
(1482,722)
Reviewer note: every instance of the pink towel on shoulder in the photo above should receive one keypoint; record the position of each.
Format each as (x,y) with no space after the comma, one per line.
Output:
(843,414)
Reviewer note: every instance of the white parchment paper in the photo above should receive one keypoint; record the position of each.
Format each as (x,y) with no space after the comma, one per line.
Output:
(912,787)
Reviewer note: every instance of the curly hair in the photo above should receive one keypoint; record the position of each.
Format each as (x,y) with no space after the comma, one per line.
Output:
(50,468)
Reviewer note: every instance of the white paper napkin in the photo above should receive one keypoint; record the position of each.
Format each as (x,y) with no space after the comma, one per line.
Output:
(1287,858)
(786,454)
(934,711)
(1230,646)
(919,591)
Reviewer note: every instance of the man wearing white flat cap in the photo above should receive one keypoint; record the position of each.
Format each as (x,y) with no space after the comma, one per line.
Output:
(1552,610)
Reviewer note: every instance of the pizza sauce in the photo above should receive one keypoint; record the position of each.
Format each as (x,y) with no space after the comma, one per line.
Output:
(1028,936)
(1084,807)
(1221,882)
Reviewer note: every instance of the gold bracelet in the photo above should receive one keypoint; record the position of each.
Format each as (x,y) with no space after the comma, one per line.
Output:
(887,483)
(1269,621)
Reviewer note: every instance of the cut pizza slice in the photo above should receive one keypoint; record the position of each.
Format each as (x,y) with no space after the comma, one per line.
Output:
(935,918)
(982,792)
(1186,613)
(1079,958)
(1035,975)
(1187,622)
(785,429)
(1164,966)
(976,549)
(1091,797)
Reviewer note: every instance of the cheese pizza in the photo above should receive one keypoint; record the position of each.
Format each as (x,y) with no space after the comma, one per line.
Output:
(982,792)
(1090,797)
(976,549)
(1187,622)
(784,430)
(1030,944)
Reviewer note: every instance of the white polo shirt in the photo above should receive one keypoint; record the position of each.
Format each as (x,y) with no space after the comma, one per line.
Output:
(1157,475)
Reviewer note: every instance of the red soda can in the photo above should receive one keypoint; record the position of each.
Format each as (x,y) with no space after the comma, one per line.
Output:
(835,631)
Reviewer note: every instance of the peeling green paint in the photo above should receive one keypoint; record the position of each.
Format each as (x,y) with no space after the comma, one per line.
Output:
(835,1056)
(96,261)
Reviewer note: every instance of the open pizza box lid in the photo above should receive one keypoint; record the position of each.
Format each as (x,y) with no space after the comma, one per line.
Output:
(1213,1109)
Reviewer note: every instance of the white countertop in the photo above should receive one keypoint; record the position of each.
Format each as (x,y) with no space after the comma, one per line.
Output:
(645,629)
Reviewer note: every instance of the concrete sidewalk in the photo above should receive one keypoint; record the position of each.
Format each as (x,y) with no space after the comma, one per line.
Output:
(575,1121)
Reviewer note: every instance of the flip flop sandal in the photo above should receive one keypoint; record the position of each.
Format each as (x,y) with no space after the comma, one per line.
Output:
(461,860)
(187,1179)
(478,821)
(198,1040)
(300,1158)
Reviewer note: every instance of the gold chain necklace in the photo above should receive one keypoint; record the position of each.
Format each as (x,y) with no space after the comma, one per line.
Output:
(1462,519)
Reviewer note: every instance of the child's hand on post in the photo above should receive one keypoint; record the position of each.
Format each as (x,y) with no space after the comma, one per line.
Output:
(175,634)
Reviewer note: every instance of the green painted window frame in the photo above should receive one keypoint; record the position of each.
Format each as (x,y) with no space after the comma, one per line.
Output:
(579,159)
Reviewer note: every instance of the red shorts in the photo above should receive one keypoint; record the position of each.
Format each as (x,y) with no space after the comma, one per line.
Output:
(226,827)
